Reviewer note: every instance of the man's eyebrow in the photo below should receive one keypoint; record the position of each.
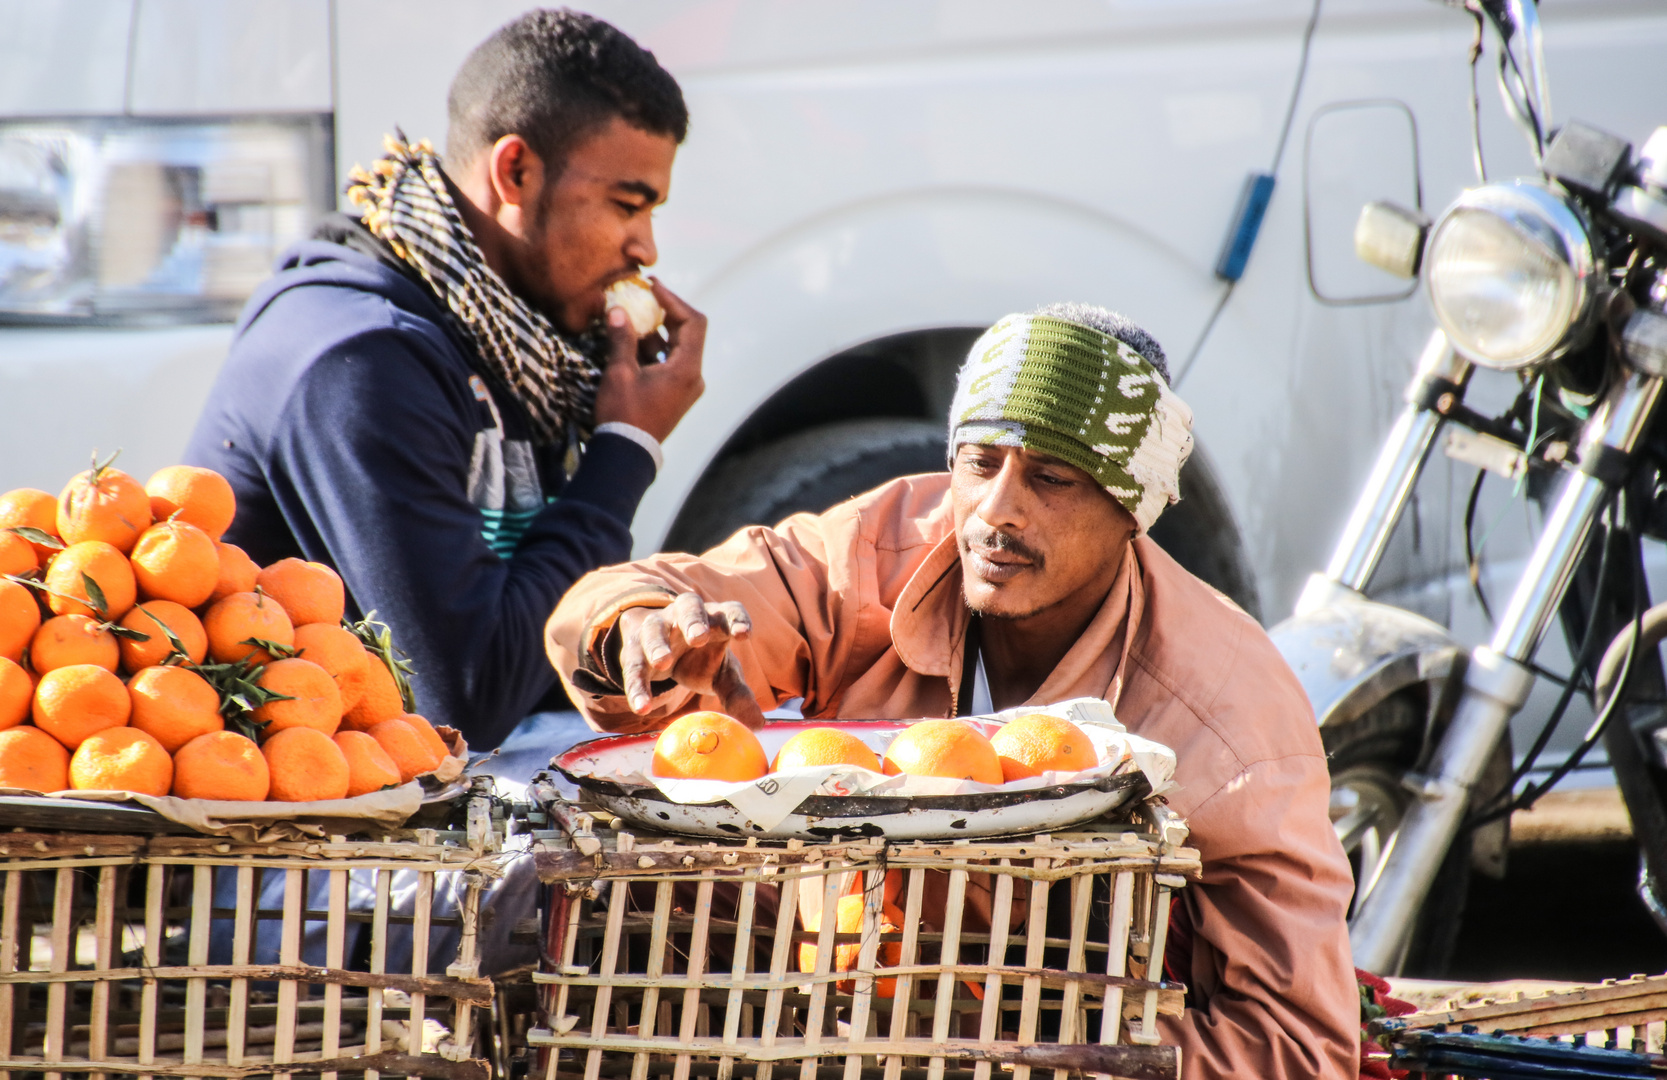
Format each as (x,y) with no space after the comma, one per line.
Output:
(637,187)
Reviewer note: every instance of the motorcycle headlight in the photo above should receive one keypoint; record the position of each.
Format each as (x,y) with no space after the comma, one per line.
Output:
(1512,275)
(123,219)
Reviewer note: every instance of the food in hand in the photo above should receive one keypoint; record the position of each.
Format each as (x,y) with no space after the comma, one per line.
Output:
(173,705)
(221,765)
(32,760)
(187,493)
(121,759)
(306,766)
(216,659)
(708,746)
(948,748)
(1036,743)
(824,746)
(636,296)
(369,768)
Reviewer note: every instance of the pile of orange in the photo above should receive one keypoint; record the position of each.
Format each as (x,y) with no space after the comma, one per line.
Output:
(122,612)
(712,746)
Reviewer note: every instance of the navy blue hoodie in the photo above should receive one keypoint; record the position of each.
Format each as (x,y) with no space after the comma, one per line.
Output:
(358,430)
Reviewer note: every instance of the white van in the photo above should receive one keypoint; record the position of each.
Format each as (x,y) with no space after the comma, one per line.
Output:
(866,185)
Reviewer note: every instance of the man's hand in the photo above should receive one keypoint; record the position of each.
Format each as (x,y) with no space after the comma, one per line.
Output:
(690,641)
(653,397)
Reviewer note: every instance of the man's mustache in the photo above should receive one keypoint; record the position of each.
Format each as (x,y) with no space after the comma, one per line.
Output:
(981,536)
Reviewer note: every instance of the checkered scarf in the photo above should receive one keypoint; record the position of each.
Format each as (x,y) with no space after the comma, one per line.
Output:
(406,204)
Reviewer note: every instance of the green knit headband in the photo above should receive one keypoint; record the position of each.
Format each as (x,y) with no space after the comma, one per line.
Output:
(1084,397)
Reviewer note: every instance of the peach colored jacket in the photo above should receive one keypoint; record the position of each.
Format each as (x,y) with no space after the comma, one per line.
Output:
(859,612)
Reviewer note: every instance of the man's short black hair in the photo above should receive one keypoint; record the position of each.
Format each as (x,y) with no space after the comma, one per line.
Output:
(1113,325)
(553,76)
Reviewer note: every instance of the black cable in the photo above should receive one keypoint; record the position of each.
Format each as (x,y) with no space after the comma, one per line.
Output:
(1472,562)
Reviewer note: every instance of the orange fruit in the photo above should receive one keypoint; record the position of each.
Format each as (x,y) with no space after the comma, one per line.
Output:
(138,655)
(824,746)
(31,508)
(74,702)
(107,567)
(121,759)
(708,746)
(17,555)
(337,651)
(312,698)
(232,622)
(176,561)
(378,696)
(369,768)
(201,497)
(73,639)
(16,688)
(306,766)
(1037,743)
(848,917)
(20,617)
(221,765)
(311,592)
(422,727)
(173,705)
(103,504)
(412,755)
(32,760)
(949,748)
(237,572)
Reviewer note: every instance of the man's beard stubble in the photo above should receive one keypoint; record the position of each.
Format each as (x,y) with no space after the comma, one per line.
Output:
(975,535)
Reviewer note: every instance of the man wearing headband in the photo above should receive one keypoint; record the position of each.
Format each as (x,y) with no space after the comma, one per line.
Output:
(1025,576)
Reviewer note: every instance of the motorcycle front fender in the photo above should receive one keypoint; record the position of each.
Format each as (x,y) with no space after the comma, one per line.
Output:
(1350,653)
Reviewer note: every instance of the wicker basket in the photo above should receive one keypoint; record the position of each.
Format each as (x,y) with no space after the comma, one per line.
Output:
(681,958)
(132,955)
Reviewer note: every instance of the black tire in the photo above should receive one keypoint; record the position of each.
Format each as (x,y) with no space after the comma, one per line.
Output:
(1367,758)
(812,471)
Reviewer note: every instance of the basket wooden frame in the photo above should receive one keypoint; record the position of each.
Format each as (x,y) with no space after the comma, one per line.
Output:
(85,988)
(720,1017)
(1618,1012)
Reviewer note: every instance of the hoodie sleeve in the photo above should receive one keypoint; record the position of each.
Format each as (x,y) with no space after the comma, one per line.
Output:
(368,463)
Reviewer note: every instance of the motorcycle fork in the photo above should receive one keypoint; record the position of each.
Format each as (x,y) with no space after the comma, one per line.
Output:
(1642,784)
(1497,680)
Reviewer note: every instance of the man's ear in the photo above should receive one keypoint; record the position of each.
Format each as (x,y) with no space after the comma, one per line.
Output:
(516,173)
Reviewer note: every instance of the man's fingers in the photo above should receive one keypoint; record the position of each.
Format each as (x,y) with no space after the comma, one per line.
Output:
(730,686)
(633,670)
(622,339)
(688,614)
(685,328)
(736,617)
(657,648)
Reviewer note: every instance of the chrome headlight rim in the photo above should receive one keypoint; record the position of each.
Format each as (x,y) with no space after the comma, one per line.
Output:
(1542,214)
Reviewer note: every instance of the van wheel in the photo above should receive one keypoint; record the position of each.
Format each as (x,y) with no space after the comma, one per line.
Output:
(812,471)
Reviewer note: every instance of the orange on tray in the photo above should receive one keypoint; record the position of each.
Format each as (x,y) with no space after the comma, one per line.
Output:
(16,688)
(173,705)
(64,640)
(199,496)
(412,754)
(145,617)
(947,748)
(311,592)
(375,693)
(121,759)
(175,560)
(311,699)
(103,504)
(221,765)
(106,567)
(20,617)
(824,746)
(708,746)
(31,508)
(32,760)
(337,651)
(234,623)
(306,766)
(1036,743)
(75,702)
(237,571)
(17,555)
(369,768)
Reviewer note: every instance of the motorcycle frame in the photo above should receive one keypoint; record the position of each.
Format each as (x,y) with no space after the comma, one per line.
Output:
(1498,675)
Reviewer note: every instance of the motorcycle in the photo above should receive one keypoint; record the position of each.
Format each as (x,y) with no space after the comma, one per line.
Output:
(1562,279)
